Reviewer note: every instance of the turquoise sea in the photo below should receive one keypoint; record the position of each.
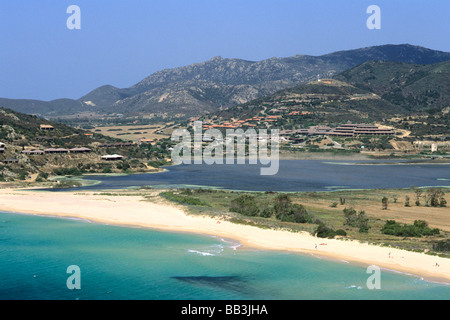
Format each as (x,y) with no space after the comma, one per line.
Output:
(133,263)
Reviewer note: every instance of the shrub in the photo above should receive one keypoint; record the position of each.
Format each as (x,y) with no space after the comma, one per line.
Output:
(43,175)
(334,205)
(157,163)
(266,212)
(418,229)
(245,204)
(67,172)
(107,170)
(183,199)
(287,211)
(296,213)
(443,245)
(322,231)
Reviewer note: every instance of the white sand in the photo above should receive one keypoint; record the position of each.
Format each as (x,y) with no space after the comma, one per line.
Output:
(134,211)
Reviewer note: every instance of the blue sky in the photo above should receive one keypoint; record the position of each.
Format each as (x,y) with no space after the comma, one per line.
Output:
(122,42)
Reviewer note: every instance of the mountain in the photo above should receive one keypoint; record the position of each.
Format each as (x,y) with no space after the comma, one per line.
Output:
(410,86)
(45,108)
(372,91)
(204,87)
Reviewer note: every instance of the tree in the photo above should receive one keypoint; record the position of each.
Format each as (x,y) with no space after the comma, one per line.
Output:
(407,201)
(350,216)
(418,196)
(363,222)
(359,220)
(282,203)
(285,210)
(384,203)
(436,198)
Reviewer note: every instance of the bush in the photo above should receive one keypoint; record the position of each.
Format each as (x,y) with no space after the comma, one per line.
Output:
(157,163)
(418,229)
(287,211)
(245,204)
(322,231)
(443,245)
(266,212)
(67,172)
(295,213)
(341,232)
(107,170)
(183,199)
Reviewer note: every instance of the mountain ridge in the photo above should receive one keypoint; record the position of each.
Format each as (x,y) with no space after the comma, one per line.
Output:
(373,91)
(204,87)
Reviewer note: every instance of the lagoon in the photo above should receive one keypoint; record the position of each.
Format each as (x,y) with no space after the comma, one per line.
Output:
(293,176)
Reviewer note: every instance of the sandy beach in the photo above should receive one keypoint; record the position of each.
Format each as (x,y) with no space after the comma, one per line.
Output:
(136,211)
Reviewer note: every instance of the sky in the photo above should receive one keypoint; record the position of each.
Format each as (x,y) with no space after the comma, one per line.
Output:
(121,42)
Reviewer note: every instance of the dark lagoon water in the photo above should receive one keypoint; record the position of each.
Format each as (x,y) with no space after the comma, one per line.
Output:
(293,175)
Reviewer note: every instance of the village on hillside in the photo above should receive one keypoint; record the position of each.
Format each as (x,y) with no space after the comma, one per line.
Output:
(361,137)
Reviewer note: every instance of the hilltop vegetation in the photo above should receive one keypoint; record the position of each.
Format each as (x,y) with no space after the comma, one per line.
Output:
(325,102)
(410,86)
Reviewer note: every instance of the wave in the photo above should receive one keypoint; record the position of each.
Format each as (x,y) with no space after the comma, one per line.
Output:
(201,252)
(354,287)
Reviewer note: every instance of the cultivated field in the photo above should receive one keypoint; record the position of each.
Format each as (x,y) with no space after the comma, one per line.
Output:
(136,132)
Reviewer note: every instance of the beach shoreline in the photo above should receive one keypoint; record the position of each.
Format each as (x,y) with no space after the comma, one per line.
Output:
(136,211)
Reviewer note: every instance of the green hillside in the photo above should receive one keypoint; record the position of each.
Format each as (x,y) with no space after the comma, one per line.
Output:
(413,87)
(325,102)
